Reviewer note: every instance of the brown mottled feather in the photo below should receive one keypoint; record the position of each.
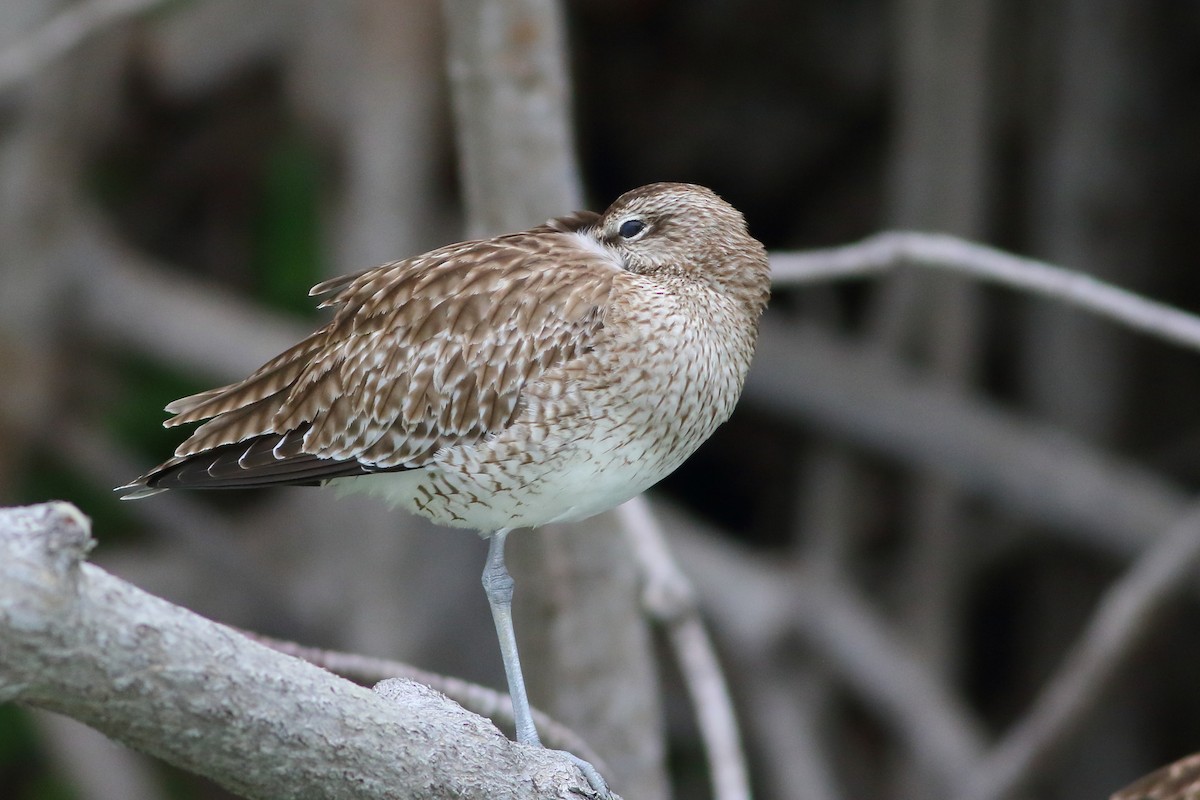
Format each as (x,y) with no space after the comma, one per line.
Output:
(421,354)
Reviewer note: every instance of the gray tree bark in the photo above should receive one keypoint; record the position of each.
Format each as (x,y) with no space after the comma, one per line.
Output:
(76,640)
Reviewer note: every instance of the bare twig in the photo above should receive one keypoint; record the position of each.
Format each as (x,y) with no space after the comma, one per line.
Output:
(76,640)
(62,34)
(754,602)
(1123,617)
(886,251)
(668,597)
(477,699)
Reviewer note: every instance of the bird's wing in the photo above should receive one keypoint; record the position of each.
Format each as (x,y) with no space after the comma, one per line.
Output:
(421,354)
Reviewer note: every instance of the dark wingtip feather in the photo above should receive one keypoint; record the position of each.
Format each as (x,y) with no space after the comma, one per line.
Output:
(270,460)
(136,490)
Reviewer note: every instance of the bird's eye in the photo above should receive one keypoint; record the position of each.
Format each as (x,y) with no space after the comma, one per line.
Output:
(630,228)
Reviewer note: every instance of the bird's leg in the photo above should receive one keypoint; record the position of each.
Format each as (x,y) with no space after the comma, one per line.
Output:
(498,585)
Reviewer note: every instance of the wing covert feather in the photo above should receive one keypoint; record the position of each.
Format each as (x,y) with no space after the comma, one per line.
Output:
(421,354)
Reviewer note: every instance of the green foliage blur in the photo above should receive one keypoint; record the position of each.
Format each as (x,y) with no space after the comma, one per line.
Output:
(23,772)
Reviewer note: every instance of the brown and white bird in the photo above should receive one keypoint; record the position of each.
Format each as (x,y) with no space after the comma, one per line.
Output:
(536,377)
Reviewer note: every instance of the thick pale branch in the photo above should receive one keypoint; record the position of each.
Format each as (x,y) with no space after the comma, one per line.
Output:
(494,705)
(76,640)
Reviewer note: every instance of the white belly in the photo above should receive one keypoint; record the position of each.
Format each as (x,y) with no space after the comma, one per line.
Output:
(576,483)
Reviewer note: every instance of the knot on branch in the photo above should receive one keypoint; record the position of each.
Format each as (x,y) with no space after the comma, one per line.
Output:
(41,549)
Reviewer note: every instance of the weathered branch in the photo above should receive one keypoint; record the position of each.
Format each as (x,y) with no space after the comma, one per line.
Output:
(496,706)
(76,640)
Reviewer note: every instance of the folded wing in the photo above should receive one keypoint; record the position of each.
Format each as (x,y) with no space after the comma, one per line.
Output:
(421,354)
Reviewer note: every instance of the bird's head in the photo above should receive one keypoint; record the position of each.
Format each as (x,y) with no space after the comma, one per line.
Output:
(687,232)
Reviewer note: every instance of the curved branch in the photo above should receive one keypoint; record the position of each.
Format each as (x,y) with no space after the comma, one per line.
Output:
(76,640)
(891,249)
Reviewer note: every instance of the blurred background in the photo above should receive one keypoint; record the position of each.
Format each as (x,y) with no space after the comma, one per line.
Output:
(974,465)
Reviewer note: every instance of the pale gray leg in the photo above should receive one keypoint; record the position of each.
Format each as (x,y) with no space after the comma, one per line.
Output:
(498,585)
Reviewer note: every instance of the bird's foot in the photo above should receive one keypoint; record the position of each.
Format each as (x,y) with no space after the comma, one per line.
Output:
(594,779)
